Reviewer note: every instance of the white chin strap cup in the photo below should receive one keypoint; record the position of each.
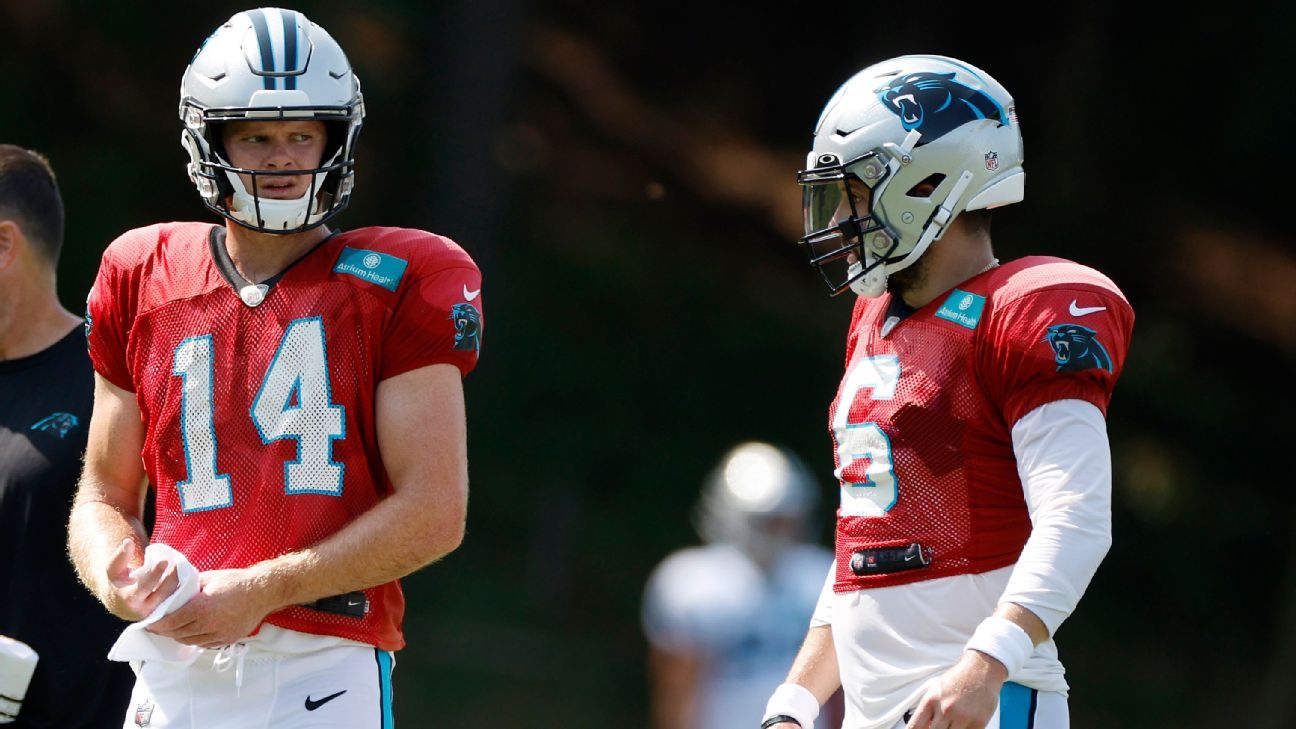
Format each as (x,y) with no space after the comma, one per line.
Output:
(870,285)
(275,214)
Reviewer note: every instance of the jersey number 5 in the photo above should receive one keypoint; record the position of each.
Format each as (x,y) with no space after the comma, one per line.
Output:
(294,402)
(874,491)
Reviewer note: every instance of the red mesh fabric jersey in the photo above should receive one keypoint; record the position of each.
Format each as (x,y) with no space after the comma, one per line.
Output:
(922,420)
(260,435)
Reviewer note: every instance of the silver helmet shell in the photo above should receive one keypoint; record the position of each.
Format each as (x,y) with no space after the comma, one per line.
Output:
(270,64)
(891,127)
(759,497)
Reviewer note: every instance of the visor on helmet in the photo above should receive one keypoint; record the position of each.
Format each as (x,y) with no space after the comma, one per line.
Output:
(843,239)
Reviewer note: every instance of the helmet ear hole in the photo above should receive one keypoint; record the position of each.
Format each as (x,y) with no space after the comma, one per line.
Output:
(927,186)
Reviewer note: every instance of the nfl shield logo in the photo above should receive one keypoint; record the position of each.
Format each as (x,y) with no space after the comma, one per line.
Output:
(144,713)
(992,161)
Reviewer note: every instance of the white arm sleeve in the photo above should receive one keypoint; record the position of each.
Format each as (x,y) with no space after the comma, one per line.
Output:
(1064,461)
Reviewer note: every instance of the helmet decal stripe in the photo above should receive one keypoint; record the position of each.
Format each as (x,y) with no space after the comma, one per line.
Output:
(263,42)
(290,21)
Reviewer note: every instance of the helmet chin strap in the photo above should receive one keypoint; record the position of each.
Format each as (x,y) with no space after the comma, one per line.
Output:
(872,284)
(274,214)
(942,217)
(284,215)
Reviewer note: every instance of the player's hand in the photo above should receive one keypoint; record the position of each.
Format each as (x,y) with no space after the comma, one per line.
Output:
(227,608)
(964,697)
(136,593)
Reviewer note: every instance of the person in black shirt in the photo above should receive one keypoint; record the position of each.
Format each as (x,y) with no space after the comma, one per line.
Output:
(46,391)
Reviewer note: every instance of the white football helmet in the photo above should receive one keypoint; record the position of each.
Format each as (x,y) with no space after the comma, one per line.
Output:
(892,126)
(760,497)
(269,64)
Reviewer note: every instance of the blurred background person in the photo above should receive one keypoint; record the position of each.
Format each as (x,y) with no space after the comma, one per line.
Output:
(45,393)
(725,619)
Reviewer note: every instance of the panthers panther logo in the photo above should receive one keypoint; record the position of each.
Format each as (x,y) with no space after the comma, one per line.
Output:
(935,104)
(89,320)
(1076,348)
(467,322)
(59,424)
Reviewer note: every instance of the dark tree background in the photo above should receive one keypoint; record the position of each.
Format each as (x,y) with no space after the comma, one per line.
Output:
(624,173)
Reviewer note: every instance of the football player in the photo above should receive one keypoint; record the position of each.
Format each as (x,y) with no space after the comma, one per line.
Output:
(291,392)
(968,430)
(723,620)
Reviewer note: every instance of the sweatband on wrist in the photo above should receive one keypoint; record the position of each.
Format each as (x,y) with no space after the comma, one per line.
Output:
(795,702)
(1004,641)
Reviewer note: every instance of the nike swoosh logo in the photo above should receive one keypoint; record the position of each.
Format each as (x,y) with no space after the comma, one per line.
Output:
(313,705)
(470,295)
(1081,311)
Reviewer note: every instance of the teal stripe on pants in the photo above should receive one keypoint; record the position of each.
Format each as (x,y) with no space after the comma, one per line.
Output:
(1016,704)
(385,687)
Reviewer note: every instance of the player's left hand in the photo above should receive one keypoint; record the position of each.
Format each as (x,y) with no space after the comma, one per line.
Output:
(227,608)
(964,697)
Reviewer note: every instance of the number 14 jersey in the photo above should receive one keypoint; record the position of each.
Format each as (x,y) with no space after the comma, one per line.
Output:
(260,436)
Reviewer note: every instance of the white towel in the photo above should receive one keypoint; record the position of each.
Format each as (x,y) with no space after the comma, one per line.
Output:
(137,644)
(17,663)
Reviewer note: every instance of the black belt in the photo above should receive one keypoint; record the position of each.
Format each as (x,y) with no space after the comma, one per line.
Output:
(880,560)
(353,604)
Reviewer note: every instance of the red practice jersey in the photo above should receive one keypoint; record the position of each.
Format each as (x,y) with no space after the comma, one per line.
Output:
(922,421)
(260,436)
